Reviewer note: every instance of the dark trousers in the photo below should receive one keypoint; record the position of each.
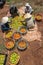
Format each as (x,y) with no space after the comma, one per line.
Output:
(5,27)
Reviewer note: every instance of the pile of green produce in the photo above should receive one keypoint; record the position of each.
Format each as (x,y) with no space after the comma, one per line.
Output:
(2,59)
(14,58)
(9,34)
(16,22)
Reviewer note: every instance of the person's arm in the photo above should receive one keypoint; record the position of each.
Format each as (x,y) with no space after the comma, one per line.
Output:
(9,20)
(31,10)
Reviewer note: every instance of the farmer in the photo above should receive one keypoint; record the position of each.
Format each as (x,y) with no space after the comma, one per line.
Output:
(29,21)
(13,11)
(28,8)
(4,24)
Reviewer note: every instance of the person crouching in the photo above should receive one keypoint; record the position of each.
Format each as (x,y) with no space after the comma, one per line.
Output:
(4,24)
(28,8)
(29,21)
(13,11)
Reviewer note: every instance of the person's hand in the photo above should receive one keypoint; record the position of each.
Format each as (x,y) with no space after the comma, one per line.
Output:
(8,14)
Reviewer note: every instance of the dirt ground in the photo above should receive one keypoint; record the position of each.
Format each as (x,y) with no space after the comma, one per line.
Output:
(33,55)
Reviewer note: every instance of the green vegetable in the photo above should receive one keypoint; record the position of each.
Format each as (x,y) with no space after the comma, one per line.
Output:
(2,58)
(16,22)
(1,64)
(14,58)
